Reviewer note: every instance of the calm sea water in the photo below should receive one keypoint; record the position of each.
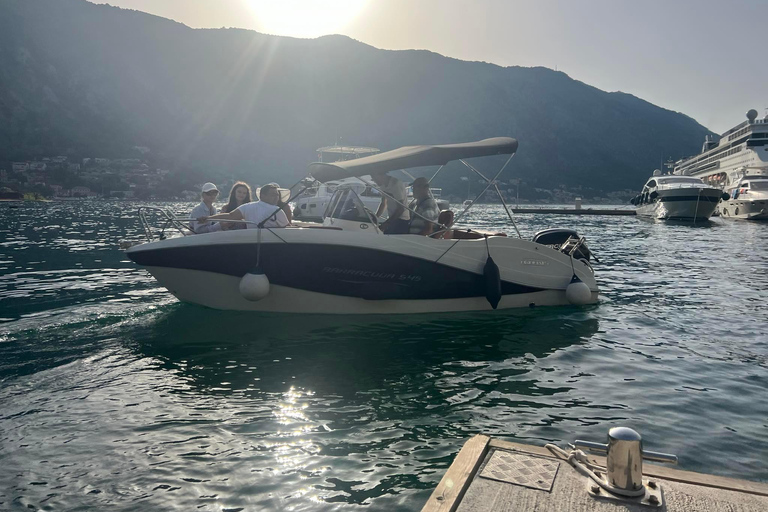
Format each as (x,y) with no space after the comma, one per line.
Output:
(113,395)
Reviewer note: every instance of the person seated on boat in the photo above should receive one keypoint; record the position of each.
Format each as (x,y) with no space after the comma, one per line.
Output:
(238,196)
(425,206)
(393,198)
(265,210)
(286,209)
(444,221)
(204,210)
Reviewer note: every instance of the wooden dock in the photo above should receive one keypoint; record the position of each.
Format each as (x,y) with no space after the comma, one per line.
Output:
(493,475)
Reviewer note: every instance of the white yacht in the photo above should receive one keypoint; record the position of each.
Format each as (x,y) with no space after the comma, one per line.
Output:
(676,197)
(437,194)
(724,162)
(747,198)
(311,205)
(346,265)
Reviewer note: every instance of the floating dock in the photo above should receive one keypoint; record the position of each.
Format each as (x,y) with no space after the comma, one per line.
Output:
(492,475)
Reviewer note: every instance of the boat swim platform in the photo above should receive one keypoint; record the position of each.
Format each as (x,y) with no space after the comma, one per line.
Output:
(492,475)
(576,211)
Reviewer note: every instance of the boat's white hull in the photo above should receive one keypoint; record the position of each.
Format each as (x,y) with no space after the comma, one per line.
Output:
(330,271)
(220,291)
(682,204)
(744,209)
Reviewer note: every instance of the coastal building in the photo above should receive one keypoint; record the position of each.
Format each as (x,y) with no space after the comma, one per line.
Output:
(81,191)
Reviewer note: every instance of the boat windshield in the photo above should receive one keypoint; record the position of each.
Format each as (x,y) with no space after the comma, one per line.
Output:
(667,181)
(758,185)
(346,205)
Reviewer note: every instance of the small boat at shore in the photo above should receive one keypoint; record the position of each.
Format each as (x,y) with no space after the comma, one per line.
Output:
(348,266)
(669,197)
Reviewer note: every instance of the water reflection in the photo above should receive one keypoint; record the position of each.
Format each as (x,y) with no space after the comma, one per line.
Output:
(348,408)
(347,354)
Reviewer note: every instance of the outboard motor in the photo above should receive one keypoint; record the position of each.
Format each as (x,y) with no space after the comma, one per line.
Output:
(563,239)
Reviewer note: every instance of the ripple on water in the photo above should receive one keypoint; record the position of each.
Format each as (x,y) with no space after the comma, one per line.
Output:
(116,396)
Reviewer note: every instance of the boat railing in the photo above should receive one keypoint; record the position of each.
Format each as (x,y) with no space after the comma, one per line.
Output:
(167,221)
(170,222)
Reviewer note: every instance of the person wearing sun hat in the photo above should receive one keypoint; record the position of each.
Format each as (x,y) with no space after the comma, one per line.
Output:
(205,209)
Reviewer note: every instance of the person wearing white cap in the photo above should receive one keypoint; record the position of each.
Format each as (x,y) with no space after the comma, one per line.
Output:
(205,209)
(265,211)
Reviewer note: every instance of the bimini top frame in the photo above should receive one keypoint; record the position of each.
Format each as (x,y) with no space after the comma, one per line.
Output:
(421,156)
(411,156)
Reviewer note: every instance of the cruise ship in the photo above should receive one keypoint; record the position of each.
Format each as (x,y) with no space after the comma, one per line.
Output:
(741,151)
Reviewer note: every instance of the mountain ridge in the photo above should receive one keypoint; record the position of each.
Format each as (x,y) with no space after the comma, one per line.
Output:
(81,79)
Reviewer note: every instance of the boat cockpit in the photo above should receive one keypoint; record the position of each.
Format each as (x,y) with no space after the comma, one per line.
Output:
(346,211)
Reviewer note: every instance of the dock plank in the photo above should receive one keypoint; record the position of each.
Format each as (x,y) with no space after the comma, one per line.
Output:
(448,493)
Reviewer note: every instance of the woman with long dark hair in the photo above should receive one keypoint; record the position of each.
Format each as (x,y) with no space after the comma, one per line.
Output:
(238,196)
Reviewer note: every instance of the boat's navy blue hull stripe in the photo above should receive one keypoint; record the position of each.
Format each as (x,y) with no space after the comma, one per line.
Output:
(338,270)
(693,199)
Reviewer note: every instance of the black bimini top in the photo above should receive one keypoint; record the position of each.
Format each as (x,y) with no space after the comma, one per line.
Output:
(411,156)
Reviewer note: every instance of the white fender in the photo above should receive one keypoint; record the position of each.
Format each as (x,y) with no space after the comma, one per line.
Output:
(578,292)
(254,285)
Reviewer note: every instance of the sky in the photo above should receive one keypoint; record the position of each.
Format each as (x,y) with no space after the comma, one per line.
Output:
(703,58)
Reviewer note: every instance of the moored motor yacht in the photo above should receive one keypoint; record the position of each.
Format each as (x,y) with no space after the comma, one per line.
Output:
(313,204)
(676,197)
(747,199)
(347,265)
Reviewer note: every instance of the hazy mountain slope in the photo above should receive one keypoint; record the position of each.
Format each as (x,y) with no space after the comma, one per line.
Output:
(84,79)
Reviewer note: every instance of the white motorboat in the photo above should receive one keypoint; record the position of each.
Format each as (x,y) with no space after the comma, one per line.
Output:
(747,198)
(676,197)
(348,266)
(312,205)
(437,194)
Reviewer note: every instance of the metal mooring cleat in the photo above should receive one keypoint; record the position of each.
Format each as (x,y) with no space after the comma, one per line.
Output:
(623,477)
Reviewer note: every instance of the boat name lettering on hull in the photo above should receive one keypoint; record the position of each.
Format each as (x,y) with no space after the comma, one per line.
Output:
(372,274)
(538,263)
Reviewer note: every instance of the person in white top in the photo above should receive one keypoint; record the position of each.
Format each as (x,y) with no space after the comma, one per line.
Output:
(255,213)
(205,209)
(393,198)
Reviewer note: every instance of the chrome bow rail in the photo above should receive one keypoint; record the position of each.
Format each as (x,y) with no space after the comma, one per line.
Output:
(168,221)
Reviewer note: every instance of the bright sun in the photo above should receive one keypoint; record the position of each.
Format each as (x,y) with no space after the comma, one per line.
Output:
(304,18)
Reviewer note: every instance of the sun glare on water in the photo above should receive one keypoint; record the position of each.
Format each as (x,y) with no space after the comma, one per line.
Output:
(304,18)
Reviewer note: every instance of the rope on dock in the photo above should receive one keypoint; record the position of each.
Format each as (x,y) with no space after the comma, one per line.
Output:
(578,459)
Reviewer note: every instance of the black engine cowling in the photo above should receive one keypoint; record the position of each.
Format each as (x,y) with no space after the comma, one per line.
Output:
(559,238)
